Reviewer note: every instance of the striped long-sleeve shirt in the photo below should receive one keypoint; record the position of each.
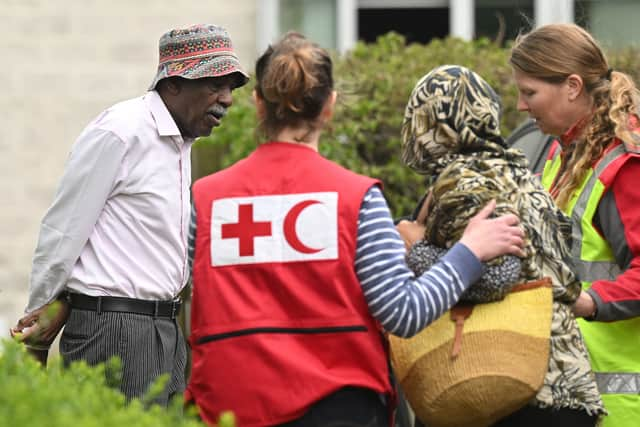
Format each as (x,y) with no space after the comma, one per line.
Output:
(402,303)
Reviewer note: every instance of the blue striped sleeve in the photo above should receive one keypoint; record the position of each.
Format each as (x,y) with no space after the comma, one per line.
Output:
(191,238)
(402,303)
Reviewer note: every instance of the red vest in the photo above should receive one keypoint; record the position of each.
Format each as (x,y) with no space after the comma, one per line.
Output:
(278,318)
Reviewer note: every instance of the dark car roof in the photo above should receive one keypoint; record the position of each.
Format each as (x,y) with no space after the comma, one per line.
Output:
(535,145)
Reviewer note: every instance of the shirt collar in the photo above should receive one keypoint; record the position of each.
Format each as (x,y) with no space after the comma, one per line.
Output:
(578,127)
(574,131)
(164,122)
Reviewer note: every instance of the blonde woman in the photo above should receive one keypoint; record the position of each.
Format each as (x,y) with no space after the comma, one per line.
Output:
(566,84)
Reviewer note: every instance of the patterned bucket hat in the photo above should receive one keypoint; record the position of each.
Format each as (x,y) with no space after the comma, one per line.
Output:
(198,51)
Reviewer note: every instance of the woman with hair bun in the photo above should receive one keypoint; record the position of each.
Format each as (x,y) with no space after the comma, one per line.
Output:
(298,268)
(566,84)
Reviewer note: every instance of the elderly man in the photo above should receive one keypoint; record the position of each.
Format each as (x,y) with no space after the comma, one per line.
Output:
(113,245)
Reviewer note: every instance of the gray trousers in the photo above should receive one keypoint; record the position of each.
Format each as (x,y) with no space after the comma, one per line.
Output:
(148,347)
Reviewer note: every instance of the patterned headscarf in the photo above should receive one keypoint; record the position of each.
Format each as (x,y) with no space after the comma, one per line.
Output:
(451,110)
(451,134)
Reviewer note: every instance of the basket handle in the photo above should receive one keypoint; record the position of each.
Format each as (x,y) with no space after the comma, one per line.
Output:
(459,314)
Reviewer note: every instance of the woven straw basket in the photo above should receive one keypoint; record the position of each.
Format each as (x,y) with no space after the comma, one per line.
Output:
(486,363)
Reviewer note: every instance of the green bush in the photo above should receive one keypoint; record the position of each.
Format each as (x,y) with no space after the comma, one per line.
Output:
(80,395)
(374,82)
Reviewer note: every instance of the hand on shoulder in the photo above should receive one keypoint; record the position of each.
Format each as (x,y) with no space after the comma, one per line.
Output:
(488,237)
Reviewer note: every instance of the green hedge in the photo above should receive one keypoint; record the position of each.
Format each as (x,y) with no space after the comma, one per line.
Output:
(80,396)
(374,82)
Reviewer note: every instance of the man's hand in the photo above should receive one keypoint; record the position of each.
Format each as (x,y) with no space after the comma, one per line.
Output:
(488,237)
(39,328)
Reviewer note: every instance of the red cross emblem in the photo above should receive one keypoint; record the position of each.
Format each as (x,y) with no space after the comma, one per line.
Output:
(245,230)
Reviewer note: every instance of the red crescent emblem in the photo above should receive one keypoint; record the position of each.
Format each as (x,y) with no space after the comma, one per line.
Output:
(290,227)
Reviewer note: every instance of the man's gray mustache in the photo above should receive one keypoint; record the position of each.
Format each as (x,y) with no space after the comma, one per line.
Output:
(218,111)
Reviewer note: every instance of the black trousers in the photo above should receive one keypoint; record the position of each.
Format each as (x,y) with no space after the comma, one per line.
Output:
(347,407)
(531,416)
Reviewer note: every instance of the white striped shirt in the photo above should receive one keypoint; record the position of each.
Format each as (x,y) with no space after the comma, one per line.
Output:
(402,303)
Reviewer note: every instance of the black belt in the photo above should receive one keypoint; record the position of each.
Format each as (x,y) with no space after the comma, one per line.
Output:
(169,309)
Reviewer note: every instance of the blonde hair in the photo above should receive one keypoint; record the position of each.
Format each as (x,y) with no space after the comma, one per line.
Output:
(553,52)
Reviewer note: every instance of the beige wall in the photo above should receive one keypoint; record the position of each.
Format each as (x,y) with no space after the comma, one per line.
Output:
(62,63)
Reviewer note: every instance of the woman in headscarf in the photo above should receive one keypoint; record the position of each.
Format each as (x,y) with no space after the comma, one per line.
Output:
(451,135)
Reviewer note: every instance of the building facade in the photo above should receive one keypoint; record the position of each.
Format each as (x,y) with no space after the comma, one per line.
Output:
(338,24)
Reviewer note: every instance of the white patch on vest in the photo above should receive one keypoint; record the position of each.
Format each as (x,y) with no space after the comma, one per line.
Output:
(281,228)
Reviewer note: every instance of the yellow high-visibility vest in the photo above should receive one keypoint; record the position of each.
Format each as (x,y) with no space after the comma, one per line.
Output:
(614,347)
